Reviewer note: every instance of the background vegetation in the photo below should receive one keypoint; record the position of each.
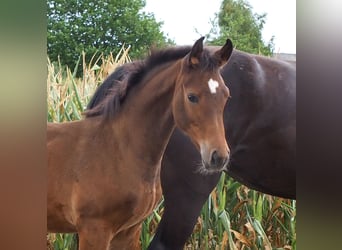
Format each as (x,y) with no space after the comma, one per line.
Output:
(102,26)
(86,43)
(74,26)
(237,21)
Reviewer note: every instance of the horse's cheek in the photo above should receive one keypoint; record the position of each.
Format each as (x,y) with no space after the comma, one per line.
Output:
(180,113)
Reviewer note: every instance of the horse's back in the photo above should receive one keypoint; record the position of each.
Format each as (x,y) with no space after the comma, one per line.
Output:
(63,142)
(260,123)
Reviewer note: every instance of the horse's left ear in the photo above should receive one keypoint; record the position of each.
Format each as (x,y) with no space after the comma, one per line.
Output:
(224,53)
(196,52)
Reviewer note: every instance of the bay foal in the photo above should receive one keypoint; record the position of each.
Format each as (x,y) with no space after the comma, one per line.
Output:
(104,171)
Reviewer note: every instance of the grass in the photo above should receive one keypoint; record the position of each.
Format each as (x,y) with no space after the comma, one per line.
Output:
(234,216)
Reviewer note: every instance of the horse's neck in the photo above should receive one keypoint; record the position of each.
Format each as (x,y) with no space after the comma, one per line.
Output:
(148,113)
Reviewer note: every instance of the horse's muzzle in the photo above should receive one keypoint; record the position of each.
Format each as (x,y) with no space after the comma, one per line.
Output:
(217,162)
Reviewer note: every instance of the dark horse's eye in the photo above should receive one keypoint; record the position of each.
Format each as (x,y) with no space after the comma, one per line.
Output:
(192,98)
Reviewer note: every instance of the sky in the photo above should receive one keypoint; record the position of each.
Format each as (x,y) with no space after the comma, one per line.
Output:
(183,17)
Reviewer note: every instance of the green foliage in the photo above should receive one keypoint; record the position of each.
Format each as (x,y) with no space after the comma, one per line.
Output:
(74,26)
(236,21)
(236,217)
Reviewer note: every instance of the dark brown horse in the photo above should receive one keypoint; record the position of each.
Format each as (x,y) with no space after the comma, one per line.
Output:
(104,171)
(260,122)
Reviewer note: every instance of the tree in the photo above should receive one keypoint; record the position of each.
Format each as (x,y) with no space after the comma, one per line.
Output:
(99,26)
(237,21)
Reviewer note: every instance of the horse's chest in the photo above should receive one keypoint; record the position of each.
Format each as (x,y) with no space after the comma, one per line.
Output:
(149,199)
(146,199)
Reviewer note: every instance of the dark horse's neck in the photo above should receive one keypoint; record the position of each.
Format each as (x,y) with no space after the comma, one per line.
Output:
(148,110)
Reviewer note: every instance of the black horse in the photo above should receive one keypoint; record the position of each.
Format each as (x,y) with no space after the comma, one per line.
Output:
(260,122)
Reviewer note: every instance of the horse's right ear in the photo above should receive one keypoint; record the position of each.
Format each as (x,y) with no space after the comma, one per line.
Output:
(224,53)
(196,52)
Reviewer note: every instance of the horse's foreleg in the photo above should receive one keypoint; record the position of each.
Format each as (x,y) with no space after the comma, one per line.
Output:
(183,201)
(178,221)
(127,240)
(94,235)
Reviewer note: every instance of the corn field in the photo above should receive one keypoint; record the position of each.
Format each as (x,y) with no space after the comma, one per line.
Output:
(234,216)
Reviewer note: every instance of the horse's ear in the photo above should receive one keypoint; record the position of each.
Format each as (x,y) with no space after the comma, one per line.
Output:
(196,52)
(224,53)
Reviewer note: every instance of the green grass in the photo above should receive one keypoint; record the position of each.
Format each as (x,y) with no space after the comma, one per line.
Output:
(234,216)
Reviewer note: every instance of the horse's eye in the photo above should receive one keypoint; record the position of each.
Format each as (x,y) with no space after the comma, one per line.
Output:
(192,98)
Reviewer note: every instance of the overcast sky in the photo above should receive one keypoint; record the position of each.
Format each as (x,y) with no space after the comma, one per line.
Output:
(182,17)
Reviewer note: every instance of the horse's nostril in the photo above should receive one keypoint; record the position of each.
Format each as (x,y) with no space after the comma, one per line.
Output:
(215,158)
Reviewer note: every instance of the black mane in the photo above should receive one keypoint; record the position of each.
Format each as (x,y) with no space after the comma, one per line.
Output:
(125,77)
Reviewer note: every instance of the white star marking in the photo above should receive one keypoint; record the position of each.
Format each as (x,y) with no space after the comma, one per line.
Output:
(213,85)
